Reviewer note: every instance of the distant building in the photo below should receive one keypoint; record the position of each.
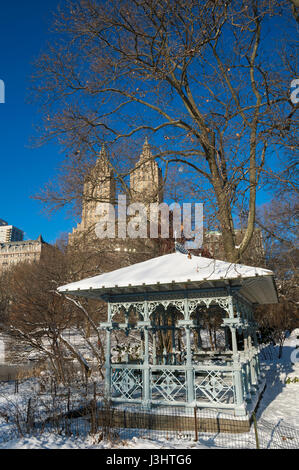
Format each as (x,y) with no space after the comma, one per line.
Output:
(12,253)
(9,233)
(146,180)
(146,185)
(99,186)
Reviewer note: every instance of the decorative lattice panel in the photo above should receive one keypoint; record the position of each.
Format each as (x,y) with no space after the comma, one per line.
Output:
(170,386)
(216,386)
(127,383)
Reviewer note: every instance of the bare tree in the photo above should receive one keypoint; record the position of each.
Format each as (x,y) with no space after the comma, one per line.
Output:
(295,9)
(277,321)
(40,316)
(279,222)
(5,297)
(202,77)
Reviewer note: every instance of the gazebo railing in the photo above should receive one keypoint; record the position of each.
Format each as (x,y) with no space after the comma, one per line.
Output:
(210,385)
(185,373)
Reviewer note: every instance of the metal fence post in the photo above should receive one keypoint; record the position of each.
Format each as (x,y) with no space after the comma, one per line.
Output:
(195,424)
(189,369)
(108,365)
(255,431)
(146,392)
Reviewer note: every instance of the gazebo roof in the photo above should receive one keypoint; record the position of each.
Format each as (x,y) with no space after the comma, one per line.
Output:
(176,271)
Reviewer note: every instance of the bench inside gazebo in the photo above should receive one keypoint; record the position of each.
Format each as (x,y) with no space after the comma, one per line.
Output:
(167,301)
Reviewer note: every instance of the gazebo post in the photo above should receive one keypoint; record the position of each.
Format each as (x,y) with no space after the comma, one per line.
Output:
(226,333)
(237,374)
(146,377)
(154,347)
(199,343)
(250,351)
(108,357)
(257,360)
(173,361)
(234,342)
(236,362)
(247,375)
(146,372)
(189,369)
(108,364)
(253,371)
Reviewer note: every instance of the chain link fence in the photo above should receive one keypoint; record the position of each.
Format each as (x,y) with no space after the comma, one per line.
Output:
(208,428)
(80,410)
(278,436)
(65,415)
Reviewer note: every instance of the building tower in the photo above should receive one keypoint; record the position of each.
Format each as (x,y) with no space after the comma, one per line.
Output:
(99,186)
(146,181)
(9,233)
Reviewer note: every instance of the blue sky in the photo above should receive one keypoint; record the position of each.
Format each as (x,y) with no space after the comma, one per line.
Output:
(23,170)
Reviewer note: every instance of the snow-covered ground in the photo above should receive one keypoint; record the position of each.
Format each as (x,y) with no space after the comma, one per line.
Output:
(54,441)
(278,406)
(280,400)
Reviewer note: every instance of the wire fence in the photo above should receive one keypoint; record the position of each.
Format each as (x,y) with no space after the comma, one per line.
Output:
(207,427)
(83,414)
(80,410)
(278,436)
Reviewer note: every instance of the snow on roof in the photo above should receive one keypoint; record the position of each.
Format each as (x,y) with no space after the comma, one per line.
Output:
(174,268)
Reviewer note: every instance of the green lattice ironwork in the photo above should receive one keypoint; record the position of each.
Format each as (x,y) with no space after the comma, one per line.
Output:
(197,377)
(169,385)
(126,383)
(215,386)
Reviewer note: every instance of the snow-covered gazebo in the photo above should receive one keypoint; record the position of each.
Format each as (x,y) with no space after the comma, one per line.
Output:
(165,300)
